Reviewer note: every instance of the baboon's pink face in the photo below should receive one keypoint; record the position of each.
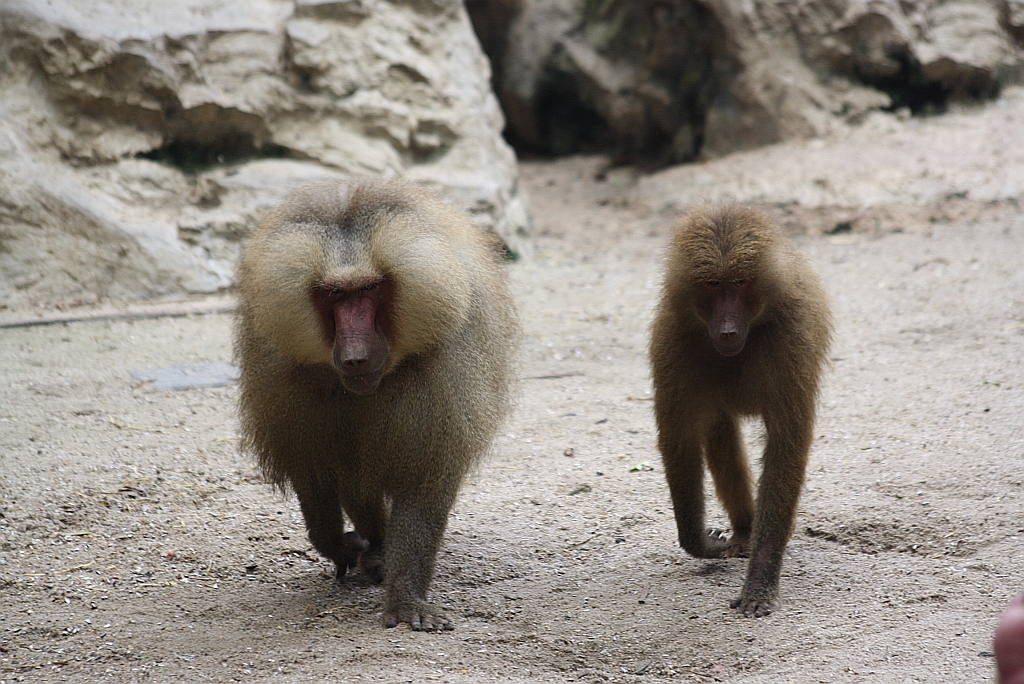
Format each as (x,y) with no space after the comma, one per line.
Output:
(355,319)
(728,307)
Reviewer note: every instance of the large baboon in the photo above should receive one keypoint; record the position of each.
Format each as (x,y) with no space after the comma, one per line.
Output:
(375,337)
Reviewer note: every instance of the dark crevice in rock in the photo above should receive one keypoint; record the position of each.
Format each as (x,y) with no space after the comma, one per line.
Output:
(193,157)
(565,124)
(208,135)
(631,79)
(491,21)
(908,87)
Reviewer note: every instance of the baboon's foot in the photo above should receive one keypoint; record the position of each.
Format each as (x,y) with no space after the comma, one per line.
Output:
(422,617)
(739,547)
(755,606)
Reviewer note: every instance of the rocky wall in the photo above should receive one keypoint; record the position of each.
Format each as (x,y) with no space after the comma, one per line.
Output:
(141,140)
(668,81)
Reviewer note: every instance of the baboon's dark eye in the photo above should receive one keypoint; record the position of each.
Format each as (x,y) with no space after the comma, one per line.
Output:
(713,283)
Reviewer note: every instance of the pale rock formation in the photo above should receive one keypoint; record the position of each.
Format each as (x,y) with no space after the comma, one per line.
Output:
(141,140)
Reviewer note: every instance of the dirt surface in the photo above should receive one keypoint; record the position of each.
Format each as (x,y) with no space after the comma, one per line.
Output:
(136,544)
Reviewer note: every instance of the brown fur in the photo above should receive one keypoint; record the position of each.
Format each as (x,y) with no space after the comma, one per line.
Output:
(392,460)
(699,394)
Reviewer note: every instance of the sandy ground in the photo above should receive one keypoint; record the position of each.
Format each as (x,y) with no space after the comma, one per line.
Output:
(136,544)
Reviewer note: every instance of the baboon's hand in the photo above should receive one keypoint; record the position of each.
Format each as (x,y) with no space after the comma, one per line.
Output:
(352,545)
(716,543)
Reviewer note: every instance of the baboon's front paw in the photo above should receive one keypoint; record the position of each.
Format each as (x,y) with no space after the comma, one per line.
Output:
(422,617)
(716,543)
(352,546)
(755,607)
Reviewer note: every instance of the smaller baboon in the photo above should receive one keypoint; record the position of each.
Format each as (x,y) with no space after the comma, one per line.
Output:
(375,336)
(742,329)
